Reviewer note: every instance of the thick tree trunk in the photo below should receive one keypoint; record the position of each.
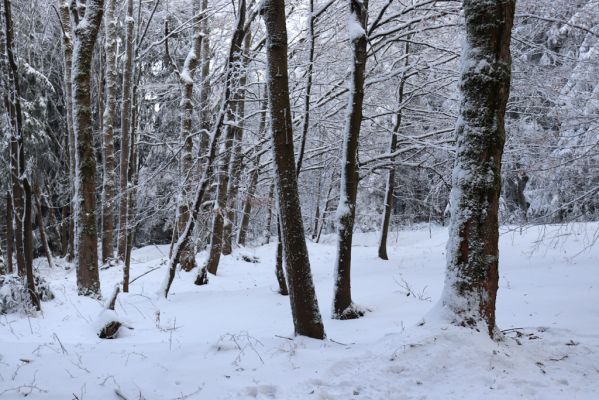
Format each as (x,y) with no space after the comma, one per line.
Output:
(109,118)
(86,33)
(472,250)
(304,305)
(343,308)
(17,149)
(125,132)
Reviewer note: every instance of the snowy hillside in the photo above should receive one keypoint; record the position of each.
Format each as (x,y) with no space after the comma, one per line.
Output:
(233,338)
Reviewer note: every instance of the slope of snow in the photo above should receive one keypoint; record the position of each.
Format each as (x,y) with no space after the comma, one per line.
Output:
(233,339)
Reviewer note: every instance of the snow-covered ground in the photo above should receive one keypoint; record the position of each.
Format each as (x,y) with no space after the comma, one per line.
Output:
(233,339)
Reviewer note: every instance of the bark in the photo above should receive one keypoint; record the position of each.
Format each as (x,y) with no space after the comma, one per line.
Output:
(86,32)
(17,148)
(125,132)
(67,45)
(28,245)
(343,307)
(9,234)
(40,225)
(109,118)
(249,198)
(279,272)
(186,79)
(472,251)
(389,190)
(304,305)
(268,228)
(205,112)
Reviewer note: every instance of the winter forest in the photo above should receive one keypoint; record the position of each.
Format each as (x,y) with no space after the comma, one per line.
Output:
(301,199)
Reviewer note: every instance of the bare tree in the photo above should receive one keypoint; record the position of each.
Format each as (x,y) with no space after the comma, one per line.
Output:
(472,251)
(109,118)
(87,19)
(343,308)
(304,305)
(126,131)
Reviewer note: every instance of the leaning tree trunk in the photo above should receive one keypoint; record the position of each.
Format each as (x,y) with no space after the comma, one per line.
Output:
(389,190)
(86,31)
(109,118)
(40,224)
(343,308)
(185,235)
(235,166)
(186,78)
(218,219)
(125,131)
(304,305)
(472,250)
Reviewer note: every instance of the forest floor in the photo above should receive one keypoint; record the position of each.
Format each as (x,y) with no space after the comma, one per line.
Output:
(233,338)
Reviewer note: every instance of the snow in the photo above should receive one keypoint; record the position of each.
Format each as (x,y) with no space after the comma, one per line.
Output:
(232,338)
(354,28)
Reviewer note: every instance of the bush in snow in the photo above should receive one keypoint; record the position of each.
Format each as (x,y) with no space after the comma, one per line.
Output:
(14,296)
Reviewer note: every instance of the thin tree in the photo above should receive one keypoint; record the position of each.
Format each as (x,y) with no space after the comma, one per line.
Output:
(343,307)
(125,131)
(304,305)
(390,188)
(222,175)
(87,21)
(186,80)
(472,250)
(109,118)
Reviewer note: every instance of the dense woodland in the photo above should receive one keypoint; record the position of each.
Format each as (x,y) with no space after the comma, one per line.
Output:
(216,125)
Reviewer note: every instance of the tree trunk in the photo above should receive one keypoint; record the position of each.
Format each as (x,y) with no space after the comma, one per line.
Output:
(109,118)
(17,149)
(185,235)
(40,225)
(125,132)
(86,33)
(389,190)
(9,234)
(343,308)
(216,237)
(67,44)
(236,158)
(186,79)
(472,251)
(304,305)
(28,245)
(247,205)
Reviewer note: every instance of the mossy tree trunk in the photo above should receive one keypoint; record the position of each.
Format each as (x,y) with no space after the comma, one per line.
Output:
(472,251)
